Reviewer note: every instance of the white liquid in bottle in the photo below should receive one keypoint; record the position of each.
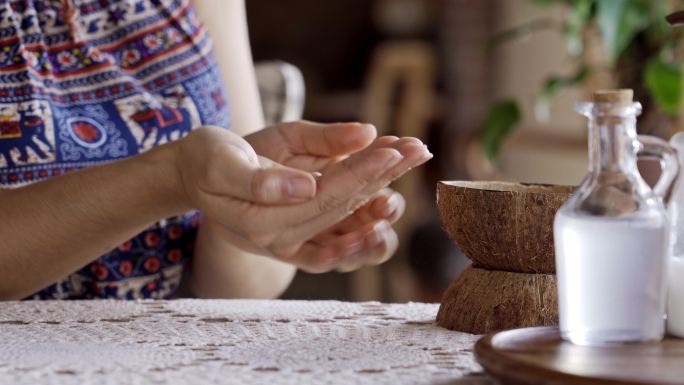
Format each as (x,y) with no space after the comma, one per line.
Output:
(612,235)
(611,278)
(675,296)
(675,299)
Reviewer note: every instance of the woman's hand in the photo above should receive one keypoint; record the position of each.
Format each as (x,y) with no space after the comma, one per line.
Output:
(363,238)
(219,171)
(311,146)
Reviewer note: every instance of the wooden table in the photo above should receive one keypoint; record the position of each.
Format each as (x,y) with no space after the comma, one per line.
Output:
(230,342)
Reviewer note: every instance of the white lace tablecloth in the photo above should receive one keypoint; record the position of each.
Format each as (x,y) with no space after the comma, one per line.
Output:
(198,342)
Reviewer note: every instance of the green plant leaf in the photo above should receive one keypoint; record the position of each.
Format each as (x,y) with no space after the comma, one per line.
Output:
(659,29)
(547,2)
(580,15)
(500,122)
(619,22)
(519,31)
(553,85)
(664,82)
(543,3)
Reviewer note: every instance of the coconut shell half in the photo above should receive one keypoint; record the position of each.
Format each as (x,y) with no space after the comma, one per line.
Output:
(501,225)
(482,301)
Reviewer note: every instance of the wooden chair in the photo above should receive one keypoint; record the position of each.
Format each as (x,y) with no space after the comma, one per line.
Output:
(282,91)
(399,99)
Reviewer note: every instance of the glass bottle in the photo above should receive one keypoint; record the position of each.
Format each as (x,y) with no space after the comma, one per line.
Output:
(611,236)
(675,289)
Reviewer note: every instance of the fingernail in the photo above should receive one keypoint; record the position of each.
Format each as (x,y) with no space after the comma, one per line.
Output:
(381,226)
(299,187)
(427,155)
(360,137)
(382,161)
(270,189)
(376,237)
(391,205)
(387,209)
(392,160)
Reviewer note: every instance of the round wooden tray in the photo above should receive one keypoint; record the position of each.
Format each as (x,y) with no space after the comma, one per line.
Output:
(539,356)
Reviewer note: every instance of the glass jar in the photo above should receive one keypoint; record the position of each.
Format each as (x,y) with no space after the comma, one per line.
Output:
(611,236)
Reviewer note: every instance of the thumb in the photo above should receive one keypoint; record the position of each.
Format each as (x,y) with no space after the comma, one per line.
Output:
(273,183)
(253,178)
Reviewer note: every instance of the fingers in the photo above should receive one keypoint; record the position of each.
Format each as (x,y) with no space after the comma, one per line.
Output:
(326,140)
(379,247)
(372,245)
(335,200)
(308,139)
(319,163)
(316,258)
(342,183)
(391,208)
(313,147)
(386,204)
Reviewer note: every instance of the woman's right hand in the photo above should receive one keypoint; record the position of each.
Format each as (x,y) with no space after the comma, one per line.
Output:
(270,209)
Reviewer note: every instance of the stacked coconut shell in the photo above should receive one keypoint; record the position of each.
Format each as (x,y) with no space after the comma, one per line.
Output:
(506,229)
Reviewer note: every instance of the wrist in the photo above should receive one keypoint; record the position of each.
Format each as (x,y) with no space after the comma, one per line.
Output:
(161,167)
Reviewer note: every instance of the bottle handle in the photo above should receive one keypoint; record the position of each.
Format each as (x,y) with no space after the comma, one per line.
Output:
(651,147)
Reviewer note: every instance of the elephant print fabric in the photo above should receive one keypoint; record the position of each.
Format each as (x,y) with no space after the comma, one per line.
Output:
(27,135)
(86,82)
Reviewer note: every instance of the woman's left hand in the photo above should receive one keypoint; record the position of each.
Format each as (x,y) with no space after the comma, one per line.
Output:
(365,237)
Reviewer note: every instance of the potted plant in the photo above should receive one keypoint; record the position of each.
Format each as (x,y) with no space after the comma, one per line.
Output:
(615,44)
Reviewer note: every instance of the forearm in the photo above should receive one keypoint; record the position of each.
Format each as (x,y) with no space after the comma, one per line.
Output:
(221,270)
(52,228)
(226,22)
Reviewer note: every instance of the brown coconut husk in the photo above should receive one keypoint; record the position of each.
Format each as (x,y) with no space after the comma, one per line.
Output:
(501,225)
(482,301)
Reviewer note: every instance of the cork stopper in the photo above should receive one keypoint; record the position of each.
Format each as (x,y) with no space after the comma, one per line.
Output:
(613,96)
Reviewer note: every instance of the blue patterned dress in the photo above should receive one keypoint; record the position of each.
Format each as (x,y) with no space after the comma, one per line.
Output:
(105,80)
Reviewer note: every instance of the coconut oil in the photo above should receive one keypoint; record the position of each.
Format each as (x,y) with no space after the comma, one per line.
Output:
(675,298)
(675,301)
(611,278)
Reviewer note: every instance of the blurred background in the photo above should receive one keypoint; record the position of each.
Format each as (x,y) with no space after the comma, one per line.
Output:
(489,85)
